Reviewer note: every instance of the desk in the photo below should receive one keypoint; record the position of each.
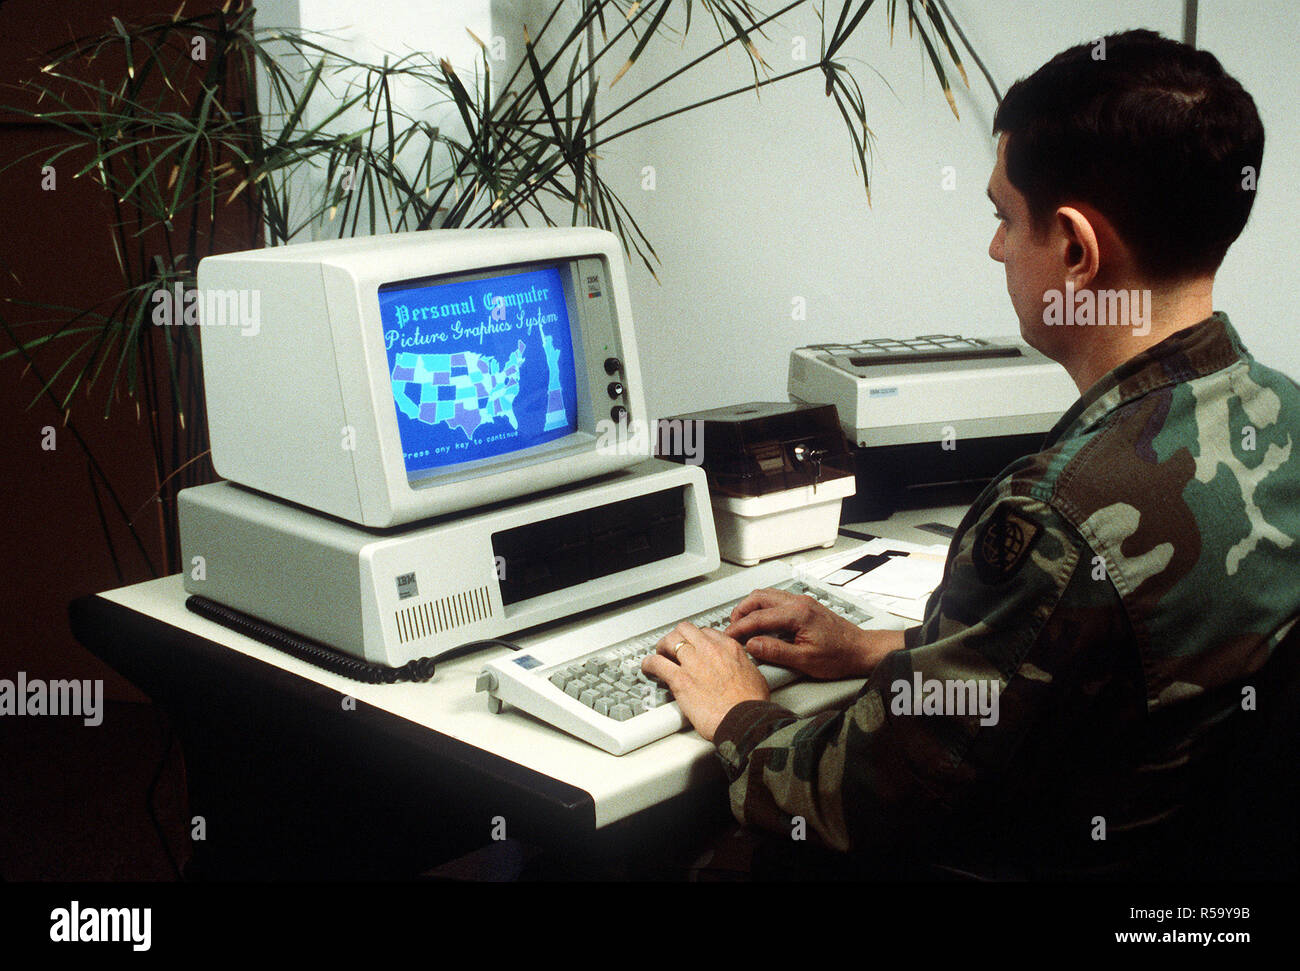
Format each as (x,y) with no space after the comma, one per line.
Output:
(298,772)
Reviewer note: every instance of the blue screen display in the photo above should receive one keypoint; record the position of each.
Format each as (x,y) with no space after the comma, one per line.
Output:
(479,368)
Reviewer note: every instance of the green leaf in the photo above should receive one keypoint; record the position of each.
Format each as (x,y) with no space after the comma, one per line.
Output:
(643,41)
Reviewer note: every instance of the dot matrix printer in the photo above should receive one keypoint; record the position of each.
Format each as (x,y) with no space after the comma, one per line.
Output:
(932,418)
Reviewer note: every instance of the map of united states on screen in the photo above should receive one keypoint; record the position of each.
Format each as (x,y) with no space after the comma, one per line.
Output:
(467,390)
(479,367)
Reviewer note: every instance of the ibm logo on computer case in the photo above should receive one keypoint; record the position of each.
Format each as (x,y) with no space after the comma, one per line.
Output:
(406,587)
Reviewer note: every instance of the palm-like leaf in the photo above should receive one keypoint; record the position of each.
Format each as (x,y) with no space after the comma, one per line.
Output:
(183,153)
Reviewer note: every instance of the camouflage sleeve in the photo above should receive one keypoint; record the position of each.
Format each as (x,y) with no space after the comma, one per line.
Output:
(942,717)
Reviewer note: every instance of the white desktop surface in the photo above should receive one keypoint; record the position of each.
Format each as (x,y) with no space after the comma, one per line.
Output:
(619,785)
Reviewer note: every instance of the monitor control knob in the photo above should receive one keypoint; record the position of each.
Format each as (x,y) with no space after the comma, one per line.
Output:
(618,413)
(616,389)
(613,365)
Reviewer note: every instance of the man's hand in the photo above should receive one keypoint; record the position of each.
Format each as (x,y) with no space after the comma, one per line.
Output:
(708,674)
(811,638)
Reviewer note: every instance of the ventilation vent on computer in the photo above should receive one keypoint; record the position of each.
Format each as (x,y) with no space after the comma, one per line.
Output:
(436,616)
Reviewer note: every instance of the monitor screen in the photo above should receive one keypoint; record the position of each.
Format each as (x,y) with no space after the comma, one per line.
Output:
(480,366)
(397,378)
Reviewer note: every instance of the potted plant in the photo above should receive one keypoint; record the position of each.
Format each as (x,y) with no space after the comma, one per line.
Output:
(204,130)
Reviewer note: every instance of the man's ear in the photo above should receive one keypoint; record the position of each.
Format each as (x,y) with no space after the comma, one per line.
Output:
(1081,259)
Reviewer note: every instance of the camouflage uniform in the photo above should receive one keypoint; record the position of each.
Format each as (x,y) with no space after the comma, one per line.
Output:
(1115,586)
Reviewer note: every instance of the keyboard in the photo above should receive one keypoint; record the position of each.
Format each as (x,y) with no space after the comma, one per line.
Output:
(588,682)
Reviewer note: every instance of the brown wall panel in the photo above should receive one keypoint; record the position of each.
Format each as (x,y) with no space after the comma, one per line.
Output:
(55,247)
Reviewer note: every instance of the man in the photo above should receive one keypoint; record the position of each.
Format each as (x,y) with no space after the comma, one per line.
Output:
(1115,592)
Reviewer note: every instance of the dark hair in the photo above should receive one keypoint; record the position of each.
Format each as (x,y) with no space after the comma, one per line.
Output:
(1152,133)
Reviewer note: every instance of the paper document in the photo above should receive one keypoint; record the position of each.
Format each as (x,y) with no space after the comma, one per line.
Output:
(887,574)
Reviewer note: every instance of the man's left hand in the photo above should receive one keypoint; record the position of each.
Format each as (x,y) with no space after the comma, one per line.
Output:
(708,674)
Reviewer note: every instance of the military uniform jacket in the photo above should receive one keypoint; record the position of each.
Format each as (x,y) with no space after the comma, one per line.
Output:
(1101,604)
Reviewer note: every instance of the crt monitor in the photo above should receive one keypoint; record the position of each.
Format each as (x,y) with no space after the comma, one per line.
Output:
(392,378)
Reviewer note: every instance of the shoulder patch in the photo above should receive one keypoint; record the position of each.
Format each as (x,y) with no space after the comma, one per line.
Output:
(1003,544)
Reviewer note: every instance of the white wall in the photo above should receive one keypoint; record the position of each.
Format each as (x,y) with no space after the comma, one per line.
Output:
(756,202)
(367,32)
(371,29)
(1257,286)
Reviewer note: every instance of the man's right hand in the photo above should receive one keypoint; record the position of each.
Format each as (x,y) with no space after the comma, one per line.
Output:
(795,631)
